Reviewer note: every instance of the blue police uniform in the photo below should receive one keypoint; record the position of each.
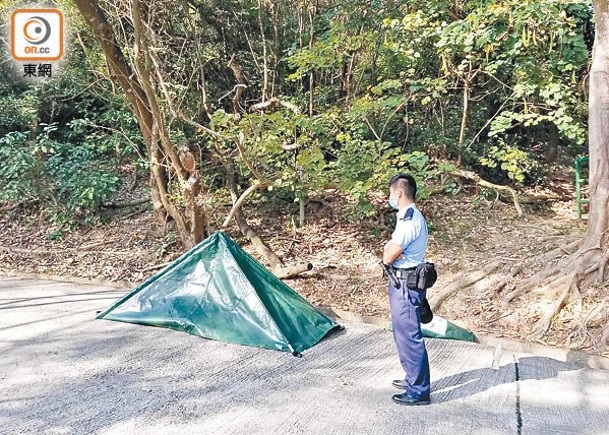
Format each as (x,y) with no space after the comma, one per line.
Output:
(412,235)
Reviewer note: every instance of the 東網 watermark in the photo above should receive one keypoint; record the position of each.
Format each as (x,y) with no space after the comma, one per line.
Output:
(37,40)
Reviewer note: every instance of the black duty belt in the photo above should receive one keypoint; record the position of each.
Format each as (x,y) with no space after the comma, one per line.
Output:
(402,273)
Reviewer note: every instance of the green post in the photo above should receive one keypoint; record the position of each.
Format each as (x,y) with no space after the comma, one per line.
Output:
(579,181)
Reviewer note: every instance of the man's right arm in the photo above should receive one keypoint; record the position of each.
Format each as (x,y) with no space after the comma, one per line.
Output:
(405,233)
(391,252)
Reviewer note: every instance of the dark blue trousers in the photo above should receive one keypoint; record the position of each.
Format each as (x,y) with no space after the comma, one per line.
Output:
(406,322)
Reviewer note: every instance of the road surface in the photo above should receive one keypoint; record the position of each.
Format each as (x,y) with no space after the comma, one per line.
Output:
(63,372)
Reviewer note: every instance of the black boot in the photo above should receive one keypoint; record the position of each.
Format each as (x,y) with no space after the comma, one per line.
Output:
(406,399)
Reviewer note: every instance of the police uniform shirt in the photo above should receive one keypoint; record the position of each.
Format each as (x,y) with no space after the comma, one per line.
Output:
(412,235)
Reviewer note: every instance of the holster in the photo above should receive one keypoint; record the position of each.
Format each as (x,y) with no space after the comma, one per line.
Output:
(425,311)
(422,277)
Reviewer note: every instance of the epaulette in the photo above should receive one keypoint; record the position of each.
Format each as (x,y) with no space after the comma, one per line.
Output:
(409,214)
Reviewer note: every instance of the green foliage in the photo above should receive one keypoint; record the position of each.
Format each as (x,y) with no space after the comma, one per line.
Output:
(380,88)
(69,177)
(522,63)
(363,166)
(523,58)
(517,164)
(18,172)
(80,182)
(63,141)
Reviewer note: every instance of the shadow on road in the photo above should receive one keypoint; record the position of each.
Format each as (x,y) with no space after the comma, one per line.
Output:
(476,381)
(15,306)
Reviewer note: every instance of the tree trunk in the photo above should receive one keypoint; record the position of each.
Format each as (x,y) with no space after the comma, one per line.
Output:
(138,86)
(567,282)
(120,69)
(465,112)
(598,124)
(192,222)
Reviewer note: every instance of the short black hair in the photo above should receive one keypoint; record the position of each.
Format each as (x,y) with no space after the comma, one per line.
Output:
(406,183)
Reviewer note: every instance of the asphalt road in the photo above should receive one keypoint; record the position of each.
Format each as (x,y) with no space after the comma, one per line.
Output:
(63,372)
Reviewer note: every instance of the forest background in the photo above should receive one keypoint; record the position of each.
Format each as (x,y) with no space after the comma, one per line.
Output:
(281,122)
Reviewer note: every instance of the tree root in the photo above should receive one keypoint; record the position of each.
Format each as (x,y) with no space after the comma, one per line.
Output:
(602,268)
(569,247)
(462,283)
(597,309)
(571,277)
(604,338)
(532,282)
(538,278)
(543,324)
(577,338)
(582,333)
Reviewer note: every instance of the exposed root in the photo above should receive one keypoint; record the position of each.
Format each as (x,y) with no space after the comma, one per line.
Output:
(533,282)
(585,251)
(562,279)
(514,272)
(580,333)
(536,279)
(583,323)
(543,324)
(577,337)
(575,244)
(462,283)
(593,312)
(602,268)
(604,338)
(505,301)
(542,276)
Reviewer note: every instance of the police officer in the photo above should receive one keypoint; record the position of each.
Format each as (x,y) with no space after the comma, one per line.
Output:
(403,252)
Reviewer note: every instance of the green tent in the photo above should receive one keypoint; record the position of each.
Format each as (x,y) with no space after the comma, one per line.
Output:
(217,290)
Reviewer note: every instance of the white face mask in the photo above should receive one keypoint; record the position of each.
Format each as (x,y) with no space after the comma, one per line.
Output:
(393,203)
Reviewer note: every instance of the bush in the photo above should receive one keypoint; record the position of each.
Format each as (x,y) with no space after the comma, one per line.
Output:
(68,180)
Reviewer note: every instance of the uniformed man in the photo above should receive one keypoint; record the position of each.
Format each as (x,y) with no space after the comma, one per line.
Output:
(403,253)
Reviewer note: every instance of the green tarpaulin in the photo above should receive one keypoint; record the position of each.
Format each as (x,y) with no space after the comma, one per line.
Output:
(217,290)
(439,327)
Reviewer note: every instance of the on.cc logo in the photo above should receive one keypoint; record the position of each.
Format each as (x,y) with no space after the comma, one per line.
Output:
(37,34)
(37,30)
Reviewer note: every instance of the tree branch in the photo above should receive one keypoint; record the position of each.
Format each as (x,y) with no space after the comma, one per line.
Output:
(505,190)
(257,185)
(275,101)
(276,265)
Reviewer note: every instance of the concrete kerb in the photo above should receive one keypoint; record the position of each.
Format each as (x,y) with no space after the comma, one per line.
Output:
(69,279)
(566,355)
